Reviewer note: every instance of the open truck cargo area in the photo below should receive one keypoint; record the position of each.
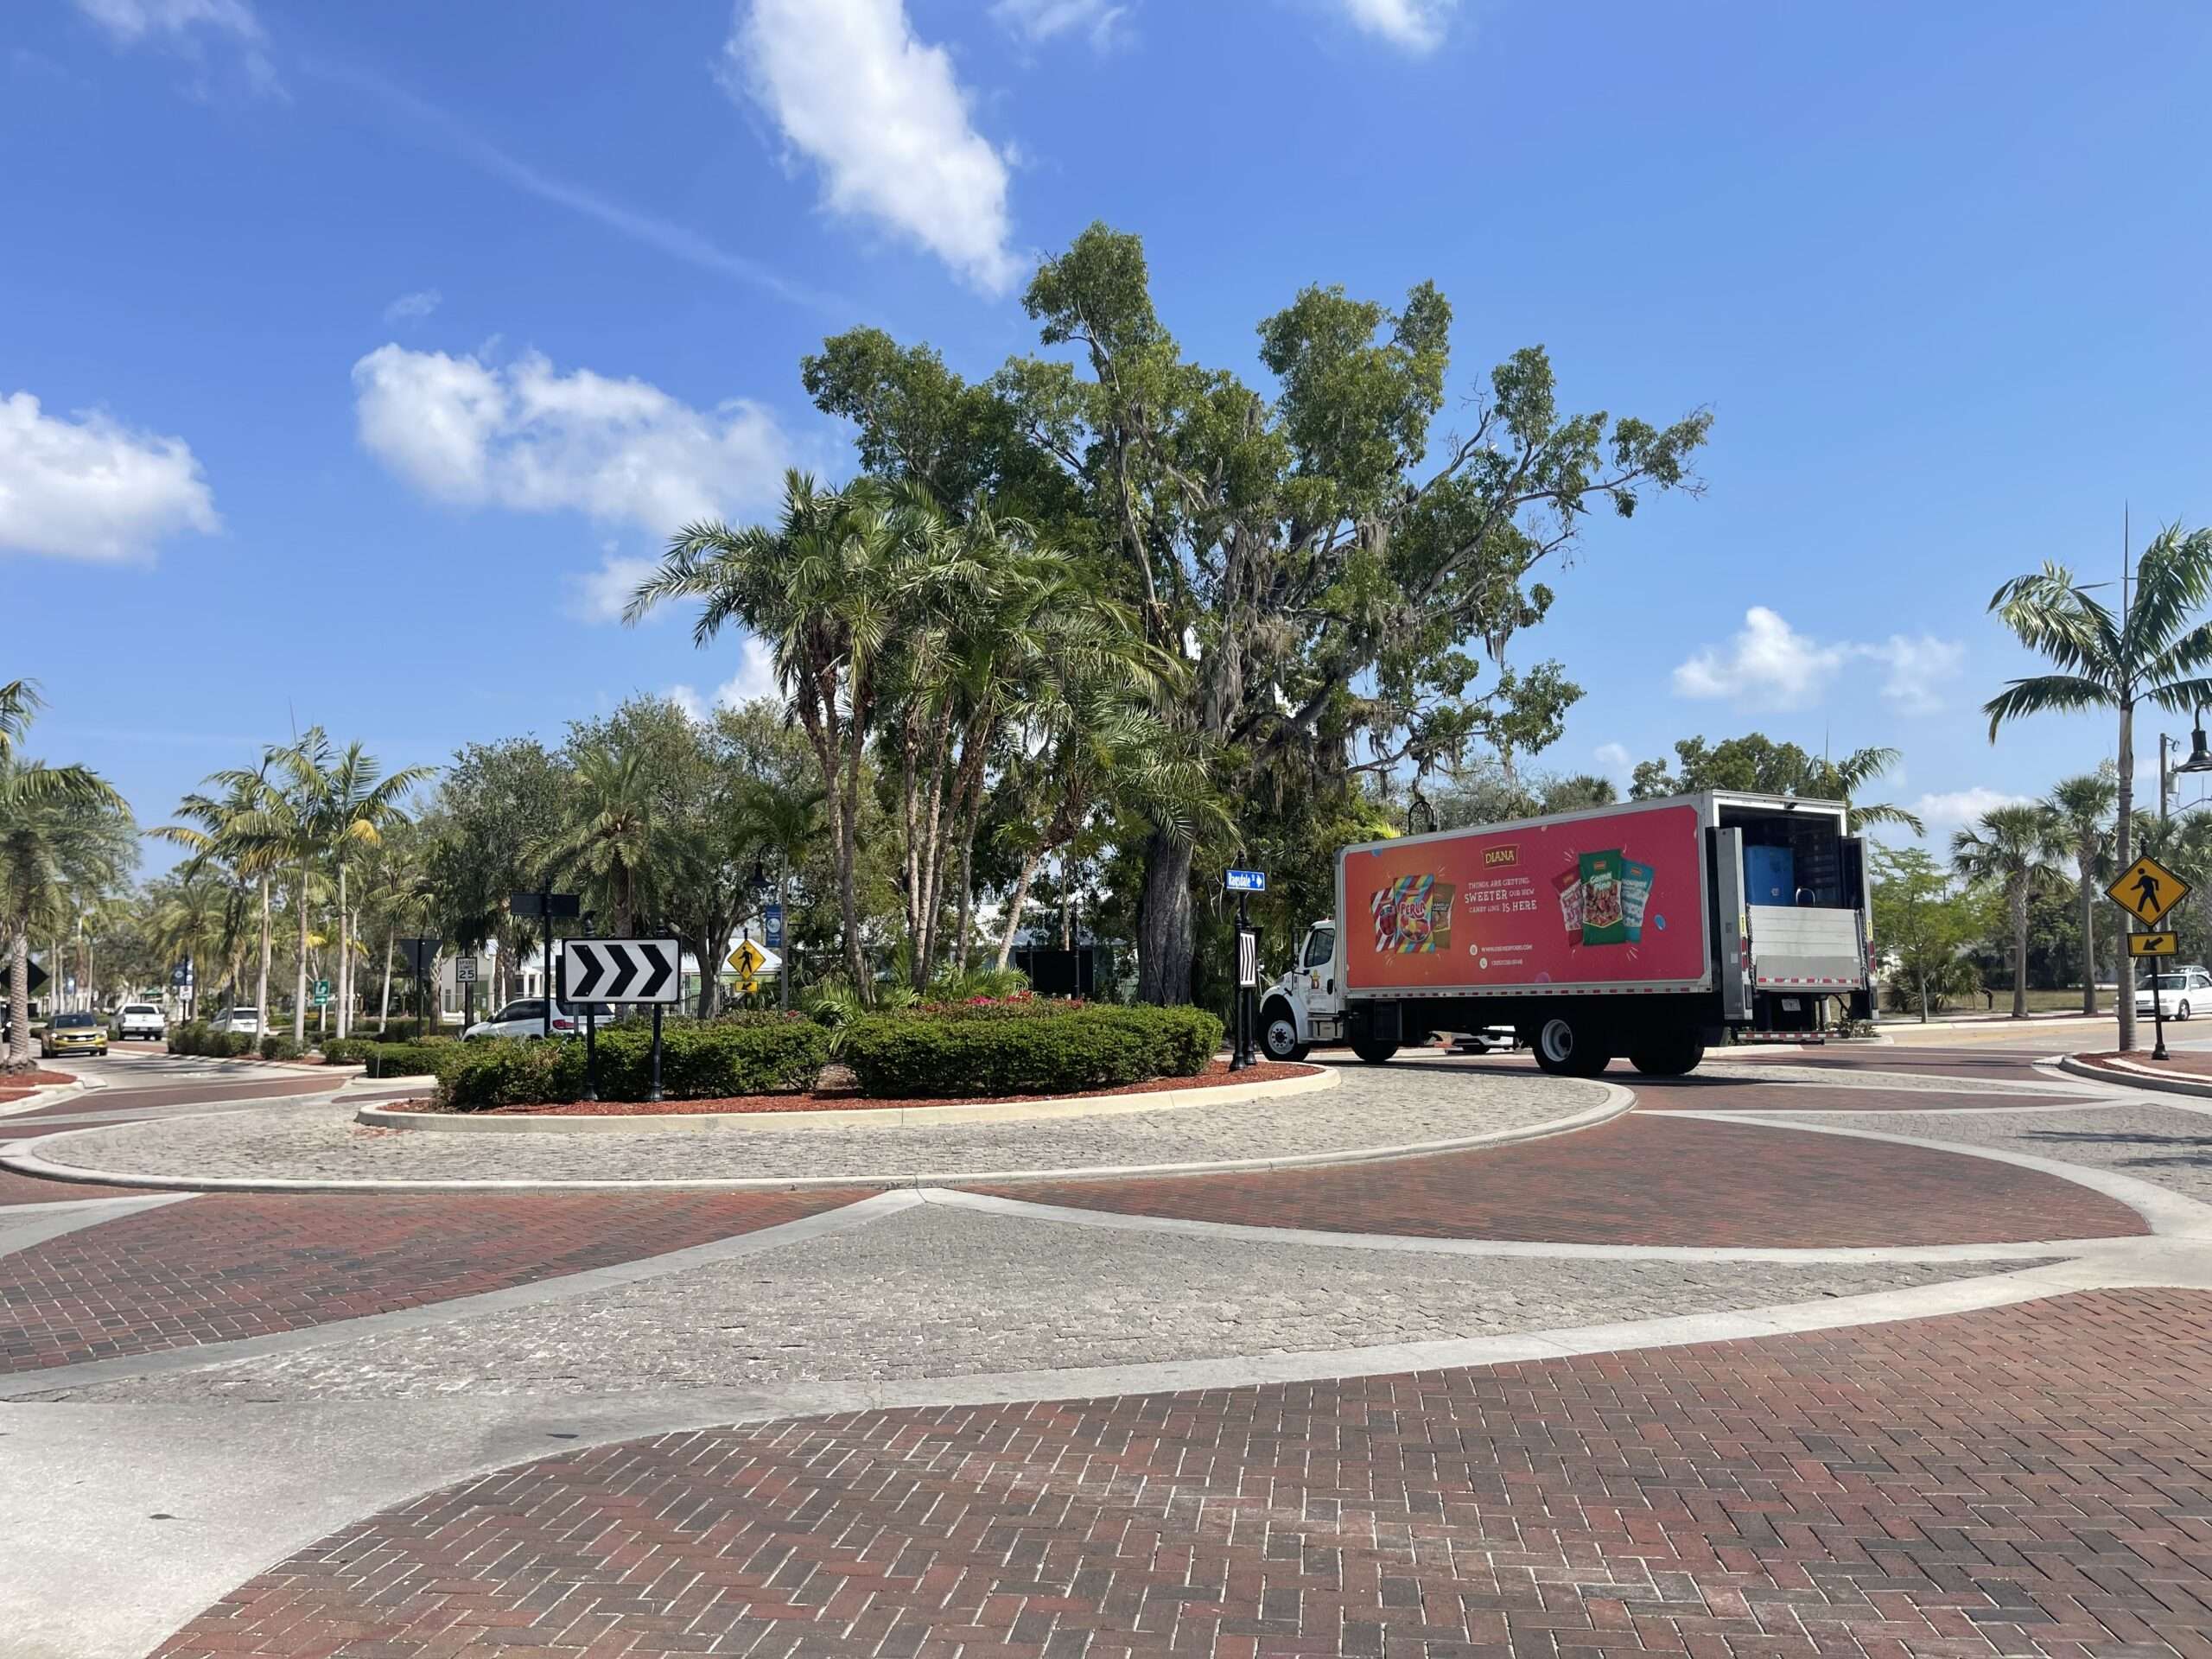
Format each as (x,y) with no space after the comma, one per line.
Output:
(1644,931)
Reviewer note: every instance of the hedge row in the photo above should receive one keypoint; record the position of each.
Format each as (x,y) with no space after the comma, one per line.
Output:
(391,1059)
(1026,1046)
(714,1059)
(197,1037)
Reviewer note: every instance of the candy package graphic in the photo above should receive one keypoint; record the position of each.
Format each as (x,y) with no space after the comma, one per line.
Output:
(1413,915)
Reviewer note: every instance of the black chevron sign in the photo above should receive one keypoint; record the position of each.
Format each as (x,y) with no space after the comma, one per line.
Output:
(622,970)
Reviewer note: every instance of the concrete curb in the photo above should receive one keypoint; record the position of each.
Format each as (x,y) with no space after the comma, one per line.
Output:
(2135,1077)
(1316,1079)
(24,1160)
(52,1094)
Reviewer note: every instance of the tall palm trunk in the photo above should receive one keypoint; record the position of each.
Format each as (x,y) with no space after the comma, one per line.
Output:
(2020,947)
(345,952)
(268,948)
(2086,857)
(1029,865)
(19,993)
(300,973)
(383,1008)
(2125,963)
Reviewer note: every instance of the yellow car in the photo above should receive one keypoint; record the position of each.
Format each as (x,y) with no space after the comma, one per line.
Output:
(72,1033)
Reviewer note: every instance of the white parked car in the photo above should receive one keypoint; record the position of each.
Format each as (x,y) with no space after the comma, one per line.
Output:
(525,1017)
(241,1019)
(139,1022)
(2180,993)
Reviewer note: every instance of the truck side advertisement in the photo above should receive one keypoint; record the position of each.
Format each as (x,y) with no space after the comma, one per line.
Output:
(1616,898)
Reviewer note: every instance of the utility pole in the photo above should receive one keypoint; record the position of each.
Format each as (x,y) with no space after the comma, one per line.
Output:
(2165,779)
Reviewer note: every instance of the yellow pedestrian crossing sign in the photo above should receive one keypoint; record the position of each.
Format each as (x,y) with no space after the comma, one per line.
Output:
(2153,944)
(748,958)
(2147,890)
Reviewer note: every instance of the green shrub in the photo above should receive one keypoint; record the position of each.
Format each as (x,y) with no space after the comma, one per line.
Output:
(197,1038)
(390,1060)
(1026,1046)
(274,1048)
(713,1059)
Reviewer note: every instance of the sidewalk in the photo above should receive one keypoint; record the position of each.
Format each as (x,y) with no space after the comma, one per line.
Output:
(2185,1072)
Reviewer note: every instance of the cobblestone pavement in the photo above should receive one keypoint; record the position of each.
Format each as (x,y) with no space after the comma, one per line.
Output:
(2034,1480)
(1645,1179)
(2030,1479)
(230,1265)
(954,1292)
(1375,1107)
(2167,1146)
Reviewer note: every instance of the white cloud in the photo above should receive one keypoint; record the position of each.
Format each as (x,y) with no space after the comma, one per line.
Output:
(1043,19)
(91,488)
(1416,25)
(179,25)
(1614,758)
(883,117)
(755,677)
(409,307)
(598,595)
(1958,807)
(529,438)
(1770,665)
(1916,667)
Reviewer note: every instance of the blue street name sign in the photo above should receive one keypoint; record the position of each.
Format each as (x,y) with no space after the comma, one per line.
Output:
(772,926)
(1247,881)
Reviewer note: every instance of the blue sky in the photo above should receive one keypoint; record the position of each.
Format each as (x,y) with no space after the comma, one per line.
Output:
(349,356)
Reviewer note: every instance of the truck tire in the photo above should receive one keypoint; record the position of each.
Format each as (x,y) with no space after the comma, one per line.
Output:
(1672,1054)
(1279,1033)
(1373,1052)
(1571,1046)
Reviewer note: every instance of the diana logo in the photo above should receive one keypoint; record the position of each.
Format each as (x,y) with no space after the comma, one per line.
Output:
(1497,856)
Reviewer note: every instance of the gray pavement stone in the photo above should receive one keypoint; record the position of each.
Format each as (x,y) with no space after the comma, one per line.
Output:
(1375,1107)
(939,1292)
(2165,1146)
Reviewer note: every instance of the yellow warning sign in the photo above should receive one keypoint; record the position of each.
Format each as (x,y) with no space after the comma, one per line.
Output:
(2154,944)
(2147,890)
(748,958)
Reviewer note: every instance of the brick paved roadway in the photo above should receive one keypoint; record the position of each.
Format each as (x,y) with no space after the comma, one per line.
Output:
(1644,1178)
(224,1266)
(2034,1480)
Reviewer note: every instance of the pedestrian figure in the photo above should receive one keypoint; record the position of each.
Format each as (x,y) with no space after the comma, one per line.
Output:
(2146,895)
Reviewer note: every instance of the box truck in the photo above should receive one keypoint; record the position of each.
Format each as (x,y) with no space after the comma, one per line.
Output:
(1646,930)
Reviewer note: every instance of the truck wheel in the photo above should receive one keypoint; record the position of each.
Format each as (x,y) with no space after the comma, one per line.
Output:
(1373,1052)
(1569,1048)
(1673,1055)
(1279,1034)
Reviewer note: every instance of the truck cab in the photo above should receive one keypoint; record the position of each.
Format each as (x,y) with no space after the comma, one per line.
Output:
(1302,1007)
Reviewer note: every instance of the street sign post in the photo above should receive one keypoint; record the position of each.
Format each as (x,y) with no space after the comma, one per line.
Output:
(464,975)
(624,971)
(549,907)
(1245,884)
(748,960)
(321,992)
(2147,890)
(2154,944)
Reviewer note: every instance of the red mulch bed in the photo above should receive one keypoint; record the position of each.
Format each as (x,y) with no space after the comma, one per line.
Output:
(1219,1074)
(21,1083)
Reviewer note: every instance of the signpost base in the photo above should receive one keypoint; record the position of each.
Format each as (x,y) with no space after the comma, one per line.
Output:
(654,1092)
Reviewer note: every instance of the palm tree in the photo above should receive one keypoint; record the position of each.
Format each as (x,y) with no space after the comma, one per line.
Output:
(1845,779)
(2011,847)
(59,827)
(232,828)
(189,921)
(816,589)
(608,836)
(2150,651)
(2084,807)
(327,803)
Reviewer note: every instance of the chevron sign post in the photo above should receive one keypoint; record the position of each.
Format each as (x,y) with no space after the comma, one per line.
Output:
(622,970)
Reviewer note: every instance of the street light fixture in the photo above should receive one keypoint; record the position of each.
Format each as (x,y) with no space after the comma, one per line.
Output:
(2200,757)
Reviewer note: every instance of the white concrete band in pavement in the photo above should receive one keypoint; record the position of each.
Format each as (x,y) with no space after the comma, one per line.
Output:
(22,1225)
